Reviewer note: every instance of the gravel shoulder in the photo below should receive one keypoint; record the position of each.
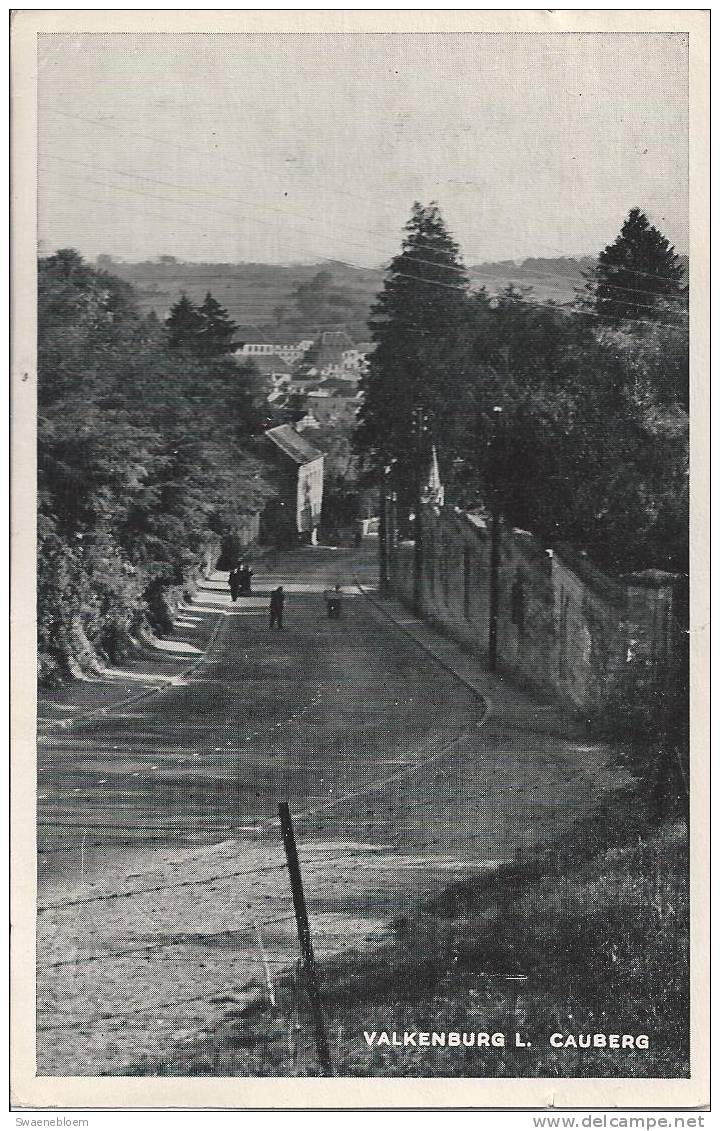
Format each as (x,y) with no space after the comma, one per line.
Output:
(154,664)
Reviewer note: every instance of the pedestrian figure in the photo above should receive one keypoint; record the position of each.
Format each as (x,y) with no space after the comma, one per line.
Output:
(333,600)
(277,603)
(245,581)
(234,582)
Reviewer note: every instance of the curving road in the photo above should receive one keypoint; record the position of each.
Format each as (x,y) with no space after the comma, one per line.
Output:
(162,883)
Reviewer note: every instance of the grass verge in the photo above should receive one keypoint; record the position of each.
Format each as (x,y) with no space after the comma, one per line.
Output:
(596,928)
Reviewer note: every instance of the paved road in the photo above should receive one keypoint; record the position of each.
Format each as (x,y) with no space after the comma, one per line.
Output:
(309,714)
(396,781)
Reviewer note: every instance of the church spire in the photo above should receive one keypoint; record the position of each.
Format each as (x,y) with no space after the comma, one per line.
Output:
(434,491)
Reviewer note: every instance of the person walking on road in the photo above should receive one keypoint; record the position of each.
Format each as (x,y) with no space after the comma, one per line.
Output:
(245,580)
(277,604)
(234,582)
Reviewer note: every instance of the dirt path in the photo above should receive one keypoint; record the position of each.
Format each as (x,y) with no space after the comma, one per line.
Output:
(161,866)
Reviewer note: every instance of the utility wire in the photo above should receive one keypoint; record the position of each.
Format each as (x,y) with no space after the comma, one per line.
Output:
(549,305)
(347,263)
(206,192)
(266,172)
(245,219)
(261,870)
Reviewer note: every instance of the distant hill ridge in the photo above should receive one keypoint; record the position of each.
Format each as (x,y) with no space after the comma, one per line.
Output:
(254,294)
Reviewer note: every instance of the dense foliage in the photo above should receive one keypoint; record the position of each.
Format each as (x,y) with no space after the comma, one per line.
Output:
(637,276)
(141,464)
(415,322)
(576,423)
(207,331)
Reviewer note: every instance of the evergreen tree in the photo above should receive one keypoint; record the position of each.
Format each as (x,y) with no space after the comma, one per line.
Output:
(419,312)
(184,324)
(216,329)
(639,276)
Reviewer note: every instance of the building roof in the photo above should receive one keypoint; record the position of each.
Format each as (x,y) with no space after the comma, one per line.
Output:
(268,335)
(335,338)
(340,385)
(266,363)
(292,444)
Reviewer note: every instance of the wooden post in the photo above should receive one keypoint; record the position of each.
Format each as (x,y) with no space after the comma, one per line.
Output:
(308,958)
(494,593)
(383,541)
(418,564)
(418,560)
(494,587)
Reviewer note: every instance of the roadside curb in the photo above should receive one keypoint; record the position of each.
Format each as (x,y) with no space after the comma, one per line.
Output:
(98,712)
(427,649)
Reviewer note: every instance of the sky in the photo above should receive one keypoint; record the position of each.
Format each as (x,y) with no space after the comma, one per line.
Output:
(285,148)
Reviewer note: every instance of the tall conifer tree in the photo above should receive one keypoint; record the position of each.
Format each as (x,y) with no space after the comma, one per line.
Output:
(638,275)
(216,331)
(422,306)
(183,323)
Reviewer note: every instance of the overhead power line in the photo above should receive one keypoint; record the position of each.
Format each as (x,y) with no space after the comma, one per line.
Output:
(345,263)
(461,270)
(265,173)
(549,305)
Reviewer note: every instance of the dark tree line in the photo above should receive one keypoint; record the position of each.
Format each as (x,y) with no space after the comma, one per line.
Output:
(320,302)
(590,443)
(141,461)
(206,330)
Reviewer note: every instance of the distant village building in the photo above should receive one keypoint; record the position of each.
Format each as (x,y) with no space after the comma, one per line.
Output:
(294,516)
(335,401)
(331,371)
(289,352)
(328,349)
(271,367)
(355,360)
(307,421)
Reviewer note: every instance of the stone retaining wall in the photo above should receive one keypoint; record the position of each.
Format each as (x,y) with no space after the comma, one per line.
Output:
(564,628)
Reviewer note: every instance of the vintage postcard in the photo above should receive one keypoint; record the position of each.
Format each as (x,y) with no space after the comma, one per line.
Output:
(360,388)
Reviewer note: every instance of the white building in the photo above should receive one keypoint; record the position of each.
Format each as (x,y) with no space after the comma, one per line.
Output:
(290,352)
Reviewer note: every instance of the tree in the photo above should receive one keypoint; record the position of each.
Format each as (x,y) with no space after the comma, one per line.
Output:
(207,331)
(216,329)
(184,323)
(320,301)
(140,463)
(421,309)
(639,276)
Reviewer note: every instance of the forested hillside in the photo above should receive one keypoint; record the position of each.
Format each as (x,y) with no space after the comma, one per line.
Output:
(275,299)
(141,464)
(262,298)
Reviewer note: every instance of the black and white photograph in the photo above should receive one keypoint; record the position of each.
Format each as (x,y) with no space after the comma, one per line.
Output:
(353,433)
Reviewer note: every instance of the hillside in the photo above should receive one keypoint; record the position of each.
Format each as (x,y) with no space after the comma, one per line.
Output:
(550,280)
(260,297)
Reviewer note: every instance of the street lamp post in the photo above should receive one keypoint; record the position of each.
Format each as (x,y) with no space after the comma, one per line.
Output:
(494,589)
(383,539)
(419,428)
